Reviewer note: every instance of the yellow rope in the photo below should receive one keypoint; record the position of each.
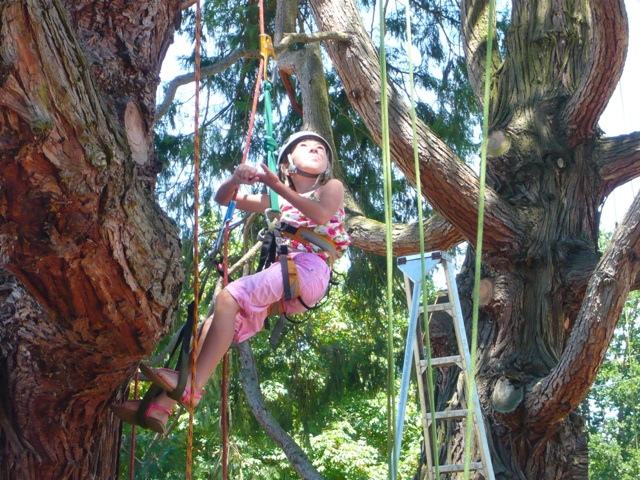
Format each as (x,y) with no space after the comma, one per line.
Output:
(423,273)
(386,163)
(478,266)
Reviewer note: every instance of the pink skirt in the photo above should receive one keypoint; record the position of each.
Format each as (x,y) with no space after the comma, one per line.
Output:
(256,293)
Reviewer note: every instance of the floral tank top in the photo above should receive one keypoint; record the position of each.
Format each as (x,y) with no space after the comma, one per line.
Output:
(334,229)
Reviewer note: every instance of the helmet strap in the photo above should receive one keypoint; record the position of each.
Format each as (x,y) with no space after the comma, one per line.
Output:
(293,169)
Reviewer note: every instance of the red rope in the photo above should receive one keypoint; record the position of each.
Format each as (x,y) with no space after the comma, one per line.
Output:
(225,363)
(196,225)
(133,433)
(225,360)
(225,281)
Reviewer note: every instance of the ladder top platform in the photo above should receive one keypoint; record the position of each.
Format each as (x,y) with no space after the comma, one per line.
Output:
(411,265)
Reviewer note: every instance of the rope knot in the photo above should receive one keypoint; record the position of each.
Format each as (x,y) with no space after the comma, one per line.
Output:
(270,143)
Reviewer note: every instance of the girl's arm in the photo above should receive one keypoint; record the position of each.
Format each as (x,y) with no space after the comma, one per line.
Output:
(330,197)
(244,175)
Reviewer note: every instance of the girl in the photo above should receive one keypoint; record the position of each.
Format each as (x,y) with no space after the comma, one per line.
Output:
(309,198)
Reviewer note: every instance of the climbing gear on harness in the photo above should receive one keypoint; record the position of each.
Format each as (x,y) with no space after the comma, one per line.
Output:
(275,249)
(273,243)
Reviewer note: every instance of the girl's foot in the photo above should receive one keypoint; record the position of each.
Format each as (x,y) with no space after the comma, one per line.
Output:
(168,380)
(155,418)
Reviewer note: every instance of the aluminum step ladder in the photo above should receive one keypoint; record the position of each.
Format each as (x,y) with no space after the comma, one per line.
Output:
(412,268)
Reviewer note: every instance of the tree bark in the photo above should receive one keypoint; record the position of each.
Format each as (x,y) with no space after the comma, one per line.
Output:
(95,263)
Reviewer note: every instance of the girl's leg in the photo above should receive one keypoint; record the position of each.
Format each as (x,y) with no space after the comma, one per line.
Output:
(217,336)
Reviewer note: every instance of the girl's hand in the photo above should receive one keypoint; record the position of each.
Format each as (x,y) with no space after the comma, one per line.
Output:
(267,177)
(245,175)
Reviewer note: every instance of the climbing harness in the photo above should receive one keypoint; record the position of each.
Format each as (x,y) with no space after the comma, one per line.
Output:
(275,249)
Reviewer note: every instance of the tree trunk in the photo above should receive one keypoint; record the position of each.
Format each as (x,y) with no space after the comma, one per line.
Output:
(91,264)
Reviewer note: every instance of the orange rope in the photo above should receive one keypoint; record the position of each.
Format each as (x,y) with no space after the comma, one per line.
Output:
(225,281)
(261,10)
(196,207)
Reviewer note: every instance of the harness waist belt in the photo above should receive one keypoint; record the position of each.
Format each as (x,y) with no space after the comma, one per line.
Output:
(307,236)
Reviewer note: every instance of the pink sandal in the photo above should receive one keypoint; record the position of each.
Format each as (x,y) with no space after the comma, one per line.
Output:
(128,412)
(155,375)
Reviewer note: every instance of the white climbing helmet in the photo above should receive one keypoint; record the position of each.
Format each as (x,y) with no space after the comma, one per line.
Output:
(291,142)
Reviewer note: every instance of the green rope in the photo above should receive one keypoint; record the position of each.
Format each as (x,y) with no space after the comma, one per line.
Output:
(424,293)
(386,163)
(478,266)
(269,142)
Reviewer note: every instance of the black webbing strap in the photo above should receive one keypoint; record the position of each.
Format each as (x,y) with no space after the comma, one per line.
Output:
(182,365)
(268,250)
(288,295)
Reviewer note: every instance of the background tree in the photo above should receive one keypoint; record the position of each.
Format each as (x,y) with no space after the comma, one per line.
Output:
(556,299)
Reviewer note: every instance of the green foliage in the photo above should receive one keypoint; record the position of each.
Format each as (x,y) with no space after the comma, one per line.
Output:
(613,416)
(325,384)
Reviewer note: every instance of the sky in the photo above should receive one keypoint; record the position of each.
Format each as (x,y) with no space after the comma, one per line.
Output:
(623,116)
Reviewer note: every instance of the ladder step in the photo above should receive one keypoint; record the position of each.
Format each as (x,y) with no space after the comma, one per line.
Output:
(449,415)
(442,362)
(439,307)
(459,467)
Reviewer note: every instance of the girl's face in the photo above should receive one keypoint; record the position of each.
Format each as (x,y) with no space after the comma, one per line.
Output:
(310,156)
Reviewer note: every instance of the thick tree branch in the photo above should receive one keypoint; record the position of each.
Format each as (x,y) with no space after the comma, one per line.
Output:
(251,385)
(555,396)
(186,4)
(450,186)
(369,235)
(290,38)
(608,51)
(474,20)
(618,160)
